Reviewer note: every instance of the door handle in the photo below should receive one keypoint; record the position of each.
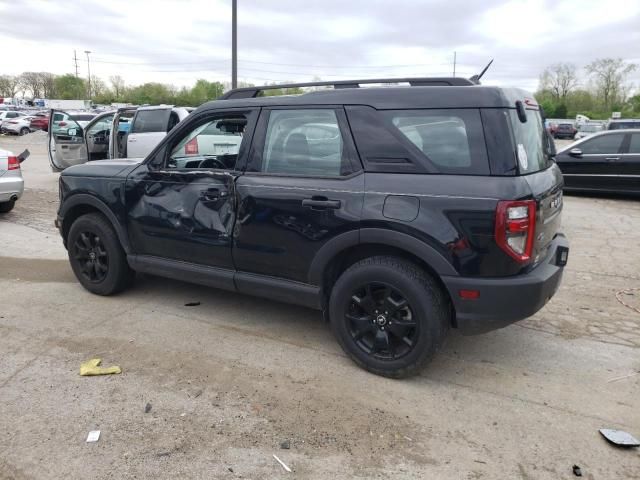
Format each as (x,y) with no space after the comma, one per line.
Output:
(131,140)
(212,194)
(612,159)
(321,203)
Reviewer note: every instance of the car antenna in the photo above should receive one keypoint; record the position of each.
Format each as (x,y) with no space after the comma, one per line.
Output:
(476,78)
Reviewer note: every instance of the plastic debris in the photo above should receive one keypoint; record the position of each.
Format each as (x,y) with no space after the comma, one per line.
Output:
(192,304)
(576,471)
(92,367)
(286,445)
(620,438)
(284,465)
(147,408)
(93,436)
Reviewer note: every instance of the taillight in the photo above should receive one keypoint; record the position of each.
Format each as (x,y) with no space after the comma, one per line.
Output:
(191,147)
(62,124)
(14,163)
(515,228)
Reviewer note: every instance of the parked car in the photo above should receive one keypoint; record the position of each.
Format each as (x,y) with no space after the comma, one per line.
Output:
(399,212)
(607,161)
(9,115)
(586,129)
(62,121)
(623,123)
(11,182)
(40,121)
(130,132)
(18,126)
(565,130)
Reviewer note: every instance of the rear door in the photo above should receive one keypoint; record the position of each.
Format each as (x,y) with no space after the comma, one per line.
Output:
(66,145)
(303,186)
(148,127)
(628,165)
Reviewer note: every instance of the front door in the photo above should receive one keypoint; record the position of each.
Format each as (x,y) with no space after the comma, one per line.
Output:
(303,186)
(593,166)
(67,145)
(181,202)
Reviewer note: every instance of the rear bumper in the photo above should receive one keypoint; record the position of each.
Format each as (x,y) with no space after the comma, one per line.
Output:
(10,187)
(503,301)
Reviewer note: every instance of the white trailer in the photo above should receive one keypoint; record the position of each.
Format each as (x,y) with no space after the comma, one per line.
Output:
(68,104)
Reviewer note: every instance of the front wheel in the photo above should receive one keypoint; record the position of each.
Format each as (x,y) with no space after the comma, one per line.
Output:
(96,256)
(389,315)
(6,207)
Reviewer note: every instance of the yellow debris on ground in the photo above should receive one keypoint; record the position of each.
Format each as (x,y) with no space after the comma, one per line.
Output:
(92,367)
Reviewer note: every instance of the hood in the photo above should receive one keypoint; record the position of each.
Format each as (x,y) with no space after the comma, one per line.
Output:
(103,168)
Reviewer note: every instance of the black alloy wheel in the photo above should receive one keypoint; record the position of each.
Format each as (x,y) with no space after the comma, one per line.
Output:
(92,257)
(381,321)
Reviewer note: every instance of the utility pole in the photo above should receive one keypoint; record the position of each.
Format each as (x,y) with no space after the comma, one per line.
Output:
(75,61)
(88,71)
(454,63)
(234,43)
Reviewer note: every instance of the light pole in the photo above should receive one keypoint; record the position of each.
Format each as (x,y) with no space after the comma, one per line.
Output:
(234,44)
(89,71)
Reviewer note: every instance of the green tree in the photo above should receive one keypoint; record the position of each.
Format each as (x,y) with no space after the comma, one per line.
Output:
(151,93)
(559,79)
(70,87)
(204,91)
(610,76)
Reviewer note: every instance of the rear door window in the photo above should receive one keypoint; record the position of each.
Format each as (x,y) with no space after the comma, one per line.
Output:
(305,142)
(452,140)
(634,146)
(147,121)
(602,145)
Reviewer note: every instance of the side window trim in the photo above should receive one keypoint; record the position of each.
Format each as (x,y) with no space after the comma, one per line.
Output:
(256,152)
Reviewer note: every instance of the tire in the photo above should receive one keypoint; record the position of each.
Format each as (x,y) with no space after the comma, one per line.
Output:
(24,131)
(96,256)
(6,207)
(414,332)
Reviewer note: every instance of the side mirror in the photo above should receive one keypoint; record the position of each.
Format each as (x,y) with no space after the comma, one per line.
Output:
(72,132)
(575,152)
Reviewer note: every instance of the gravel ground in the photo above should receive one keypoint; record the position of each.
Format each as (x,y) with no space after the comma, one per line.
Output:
(229,380)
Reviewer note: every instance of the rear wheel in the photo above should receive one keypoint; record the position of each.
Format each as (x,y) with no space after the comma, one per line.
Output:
(96,256)
(6,207)
(24,131)
(388,315)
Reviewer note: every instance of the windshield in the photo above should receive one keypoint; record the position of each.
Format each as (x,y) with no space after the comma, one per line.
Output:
(530,142)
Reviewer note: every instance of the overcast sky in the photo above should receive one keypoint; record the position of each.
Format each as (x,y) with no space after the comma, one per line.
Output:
(178,42)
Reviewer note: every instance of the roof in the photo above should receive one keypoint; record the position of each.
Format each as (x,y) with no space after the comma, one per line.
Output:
(396,97)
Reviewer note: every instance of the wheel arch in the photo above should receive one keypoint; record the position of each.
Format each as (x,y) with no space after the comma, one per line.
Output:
(343,251)
(82,204)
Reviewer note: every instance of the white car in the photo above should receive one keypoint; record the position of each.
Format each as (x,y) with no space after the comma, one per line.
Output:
(9,115)
(587,129)
(11,182)
(19,125)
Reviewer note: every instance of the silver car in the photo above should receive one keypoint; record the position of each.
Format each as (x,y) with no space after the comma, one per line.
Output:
(11,182)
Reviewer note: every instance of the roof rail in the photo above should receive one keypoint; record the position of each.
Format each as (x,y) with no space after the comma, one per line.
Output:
(252,92)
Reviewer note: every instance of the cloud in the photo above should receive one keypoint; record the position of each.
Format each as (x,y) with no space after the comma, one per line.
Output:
(180,41)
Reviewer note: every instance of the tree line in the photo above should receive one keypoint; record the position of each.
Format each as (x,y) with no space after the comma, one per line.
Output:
(69,87)
(597,90)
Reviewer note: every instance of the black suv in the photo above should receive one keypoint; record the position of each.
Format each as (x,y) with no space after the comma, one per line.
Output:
(398,211)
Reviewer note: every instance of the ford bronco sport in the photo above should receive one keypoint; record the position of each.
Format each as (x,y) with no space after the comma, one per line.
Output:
(398,211)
